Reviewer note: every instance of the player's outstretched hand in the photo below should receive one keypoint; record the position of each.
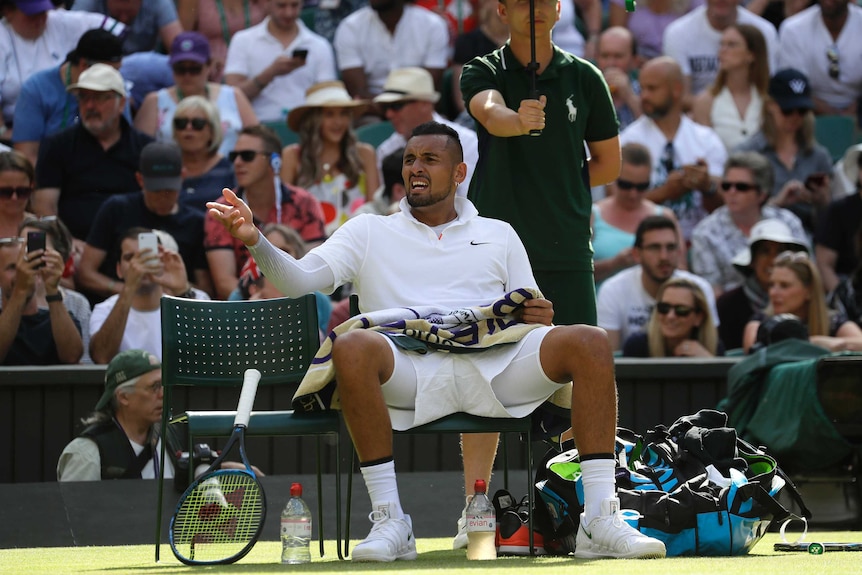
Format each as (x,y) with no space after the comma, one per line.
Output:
(236,217)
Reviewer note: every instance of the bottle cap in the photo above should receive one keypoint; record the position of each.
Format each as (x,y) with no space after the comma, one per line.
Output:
(479,486)
(296,490)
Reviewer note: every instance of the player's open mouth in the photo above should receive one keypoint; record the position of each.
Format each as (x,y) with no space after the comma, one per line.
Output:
(418,185)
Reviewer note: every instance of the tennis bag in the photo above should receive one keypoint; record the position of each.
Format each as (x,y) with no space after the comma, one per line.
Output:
(695,486)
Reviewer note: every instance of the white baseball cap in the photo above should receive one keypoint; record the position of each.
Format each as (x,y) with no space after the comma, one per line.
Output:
(772,230)
(408,84)
(100,78)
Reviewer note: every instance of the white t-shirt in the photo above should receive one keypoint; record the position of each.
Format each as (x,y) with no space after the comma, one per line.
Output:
(691,141)
(803,44)
(693,43)
(623,304)
(143,328)
(362,41)
(81,461)
(253,50)
(20,58)
(469,141)
(396,261)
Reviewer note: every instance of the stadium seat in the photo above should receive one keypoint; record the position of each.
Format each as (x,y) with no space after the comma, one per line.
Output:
(466,423)
(836,133)
(374,134)
(212,343)
(285,134)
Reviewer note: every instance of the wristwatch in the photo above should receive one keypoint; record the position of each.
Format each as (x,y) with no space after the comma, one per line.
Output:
(51,298)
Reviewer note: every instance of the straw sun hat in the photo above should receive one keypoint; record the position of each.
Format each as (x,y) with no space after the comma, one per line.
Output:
(325,95)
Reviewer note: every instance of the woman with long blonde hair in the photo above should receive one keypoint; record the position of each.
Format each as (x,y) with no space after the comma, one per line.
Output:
(329,161)
(795,287)
(681,325)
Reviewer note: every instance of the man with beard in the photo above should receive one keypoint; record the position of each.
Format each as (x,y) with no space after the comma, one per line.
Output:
(626,299)
(29,335)
(384,36)
(131,318)
(688,159)
(438,251)
(82,166)
(276,61)
(824,43)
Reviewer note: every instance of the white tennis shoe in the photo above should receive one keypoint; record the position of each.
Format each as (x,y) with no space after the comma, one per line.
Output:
(609,536)
(389,539)
(460,540)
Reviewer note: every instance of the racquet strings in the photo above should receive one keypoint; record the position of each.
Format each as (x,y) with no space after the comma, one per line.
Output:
(219,517)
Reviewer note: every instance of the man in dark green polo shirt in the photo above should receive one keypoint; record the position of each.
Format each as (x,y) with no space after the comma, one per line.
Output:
(541,184)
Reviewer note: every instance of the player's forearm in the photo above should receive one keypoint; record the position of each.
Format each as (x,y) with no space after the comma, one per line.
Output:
(292,277)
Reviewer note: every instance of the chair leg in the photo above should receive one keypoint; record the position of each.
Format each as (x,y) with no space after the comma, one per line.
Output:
(338,496)
(530,491)
(505,446)
(349,501)
(319,496)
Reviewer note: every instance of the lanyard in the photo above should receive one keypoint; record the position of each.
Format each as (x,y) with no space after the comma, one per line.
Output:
(225,30)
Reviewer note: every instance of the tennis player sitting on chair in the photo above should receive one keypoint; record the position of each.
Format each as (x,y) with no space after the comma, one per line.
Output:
(437,251)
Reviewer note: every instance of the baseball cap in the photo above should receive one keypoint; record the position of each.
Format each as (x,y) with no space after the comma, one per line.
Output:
(100,78)
(33,7)
(771,230)
(97,45)
(790,89)
(851,164)
(324,95)
(408,84)
(126,366)
(190,47)
(161,166)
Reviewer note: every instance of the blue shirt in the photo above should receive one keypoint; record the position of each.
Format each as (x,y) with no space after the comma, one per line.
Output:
(145,72)
(142,34)
(44,107)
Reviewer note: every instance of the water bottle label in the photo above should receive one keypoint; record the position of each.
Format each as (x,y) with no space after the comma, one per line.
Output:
(481,523)
(296,529)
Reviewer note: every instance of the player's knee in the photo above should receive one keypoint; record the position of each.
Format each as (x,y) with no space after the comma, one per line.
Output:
(355,346)
(587,339)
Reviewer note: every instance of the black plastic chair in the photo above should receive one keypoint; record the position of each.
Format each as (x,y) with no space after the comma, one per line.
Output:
(211,343)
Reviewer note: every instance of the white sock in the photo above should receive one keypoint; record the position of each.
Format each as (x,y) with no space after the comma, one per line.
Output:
(597,476)
(382,488)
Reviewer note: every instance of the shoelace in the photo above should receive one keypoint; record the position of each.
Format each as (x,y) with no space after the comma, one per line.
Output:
(383,529)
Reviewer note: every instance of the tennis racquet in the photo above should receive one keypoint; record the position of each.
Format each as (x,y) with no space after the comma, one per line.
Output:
(220,516)
(816,548)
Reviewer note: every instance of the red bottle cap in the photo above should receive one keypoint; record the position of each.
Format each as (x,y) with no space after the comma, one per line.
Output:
(296,490)
(480,486)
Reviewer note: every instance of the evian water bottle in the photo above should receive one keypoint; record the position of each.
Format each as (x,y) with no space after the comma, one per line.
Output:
(295,528)
(481,525)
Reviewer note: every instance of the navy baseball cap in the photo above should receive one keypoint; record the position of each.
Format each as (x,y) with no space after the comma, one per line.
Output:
(791,90)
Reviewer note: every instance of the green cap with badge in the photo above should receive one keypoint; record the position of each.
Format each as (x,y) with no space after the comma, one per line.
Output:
(125,366)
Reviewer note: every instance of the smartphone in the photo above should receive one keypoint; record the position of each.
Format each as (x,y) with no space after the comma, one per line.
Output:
(301,53)
(36,241)
(816,179)
(148,240)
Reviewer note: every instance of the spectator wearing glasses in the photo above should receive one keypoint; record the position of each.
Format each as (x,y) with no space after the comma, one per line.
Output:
(824,43)
(206,171)
(681,325)
(190,62)
(45,105)
(615,218)
(408,100)
(802,168)
(795,287)
(82,166)
(626,299)
(16,186)
(257,162)
(724,233)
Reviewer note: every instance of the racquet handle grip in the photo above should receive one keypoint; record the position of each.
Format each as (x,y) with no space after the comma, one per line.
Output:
(246,397)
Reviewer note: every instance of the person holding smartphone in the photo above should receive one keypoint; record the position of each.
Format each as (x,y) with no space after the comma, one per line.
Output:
(30,335)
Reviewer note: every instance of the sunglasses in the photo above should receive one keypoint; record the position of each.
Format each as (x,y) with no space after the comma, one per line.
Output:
(791,111)
(244,155)
(198,124)
(680,310)
(396,106)
(22,192)
(11,241)
(190,70)
(834,69)
(791,256)
(627,185)
(738,186)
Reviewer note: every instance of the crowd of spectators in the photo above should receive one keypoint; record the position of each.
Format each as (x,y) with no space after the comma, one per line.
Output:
(717,103)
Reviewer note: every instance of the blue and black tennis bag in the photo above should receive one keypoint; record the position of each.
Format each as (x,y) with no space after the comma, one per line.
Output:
(695,486)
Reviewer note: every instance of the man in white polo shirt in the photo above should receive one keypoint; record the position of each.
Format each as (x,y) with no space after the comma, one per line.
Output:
(275,62)
(625,300)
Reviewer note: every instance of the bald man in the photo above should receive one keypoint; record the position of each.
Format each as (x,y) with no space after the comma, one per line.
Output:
(688,158)
(616,59)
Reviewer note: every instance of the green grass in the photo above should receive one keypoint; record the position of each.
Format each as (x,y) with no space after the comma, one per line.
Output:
(435,555)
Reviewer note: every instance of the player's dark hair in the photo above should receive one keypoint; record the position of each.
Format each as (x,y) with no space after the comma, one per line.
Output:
(438,129)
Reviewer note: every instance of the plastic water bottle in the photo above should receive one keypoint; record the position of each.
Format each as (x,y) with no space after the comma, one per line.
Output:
(295,529)
(481,524)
